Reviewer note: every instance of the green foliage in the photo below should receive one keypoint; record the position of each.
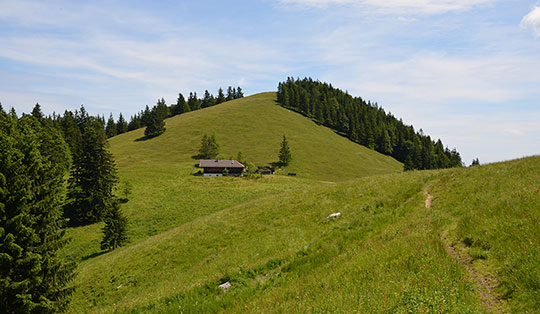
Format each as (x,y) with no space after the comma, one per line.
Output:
(209,147)
(155,126)
(93,176)
(111,129)
(126,190)
(115,229)
(121,125)
(475,162)
(181,105)
(284,152)
(365,123)
(32,278)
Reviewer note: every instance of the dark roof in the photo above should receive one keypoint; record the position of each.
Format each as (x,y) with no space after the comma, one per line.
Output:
(220,164)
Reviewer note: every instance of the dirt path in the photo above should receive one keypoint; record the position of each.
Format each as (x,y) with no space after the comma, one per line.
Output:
(485,284)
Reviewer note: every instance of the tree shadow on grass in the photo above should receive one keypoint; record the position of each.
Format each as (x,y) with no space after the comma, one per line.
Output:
(198,157)
(277,164)
(95,254)
(144,138)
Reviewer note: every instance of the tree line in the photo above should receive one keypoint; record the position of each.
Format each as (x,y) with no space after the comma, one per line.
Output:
(365,123)
(54,172)
(152,118)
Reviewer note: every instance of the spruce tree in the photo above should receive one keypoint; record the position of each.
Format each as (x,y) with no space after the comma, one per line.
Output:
(110,129)
(204,149)
(156,125)
(209,147)
(230,93)
(115,229)
(239,93)
(193,102)
(121,125)
(220,97)
(181,105)
(93,177)
(36,112)
(32,277)
(284,153)
(208,100)
(213,147)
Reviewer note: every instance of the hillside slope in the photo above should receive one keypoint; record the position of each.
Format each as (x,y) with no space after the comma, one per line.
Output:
(254,125)
(387,253)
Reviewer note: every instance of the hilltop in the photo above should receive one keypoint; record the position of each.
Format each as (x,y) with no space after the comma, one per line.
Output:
(254,125)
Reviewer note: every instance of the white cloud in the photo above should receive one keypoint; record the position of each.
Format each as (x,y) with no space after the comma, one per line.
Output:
(399,6)
(532,21)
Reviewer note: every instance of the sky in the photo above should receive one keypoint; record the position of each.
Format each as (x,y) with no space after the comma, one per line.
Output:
(465,71)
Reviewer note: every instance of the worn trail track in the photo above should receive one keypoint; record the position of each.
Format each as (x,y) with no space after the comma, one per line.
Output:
(485,284)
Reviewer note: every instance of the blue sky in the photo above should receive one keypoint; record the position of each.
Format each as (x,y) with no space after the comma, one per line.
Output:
(465,71)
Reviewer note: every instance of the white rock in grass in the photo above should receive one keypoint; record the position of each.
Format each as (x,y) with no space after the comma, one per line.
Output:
(334,215)
(225,286)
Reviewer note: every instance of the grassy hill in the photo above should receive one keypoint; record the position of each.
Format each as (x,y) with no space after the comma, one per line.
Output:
(255,126)
(474,250)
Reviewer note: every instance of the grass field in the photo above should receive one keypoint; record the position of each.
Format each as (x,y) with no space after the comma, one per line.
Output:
(271,239)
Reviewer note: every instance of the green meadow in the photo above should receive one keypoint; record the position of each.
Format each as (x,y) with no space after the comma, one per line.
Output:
(270,237)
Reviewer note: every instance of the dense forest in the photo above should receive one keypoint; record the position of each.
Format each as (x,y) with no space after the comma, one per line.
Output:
(365,123)
(54,171)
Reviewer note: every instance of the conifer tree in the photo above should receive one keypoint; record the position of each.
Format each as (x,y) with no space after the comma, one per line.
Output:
(193,102)
(209,147)
(208,100)
(156,125)
(115,229)
(220,97)
(121,125)
(181,105)
(284,153)
(36,112)
(230,93)
(93,177)
(239,93)
(110,129)
(134,123)
(32,277)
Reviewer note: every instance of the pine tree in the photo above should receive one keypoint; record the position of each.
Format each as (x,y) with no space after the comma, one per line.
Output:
(36,112)
(110,129)
(220,97)
(239,93)
(115,229)
(181,105)
(32,277)
(134,123)
(209,147)
(204,149)
(156,125)
(208,100)
(213,147)
(193,102)
(121,125)
(230,93)
(284,153)
(93,177)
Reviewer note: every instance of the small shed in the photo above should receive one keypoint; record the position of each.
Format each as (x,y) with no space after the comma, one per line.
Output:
(216,168)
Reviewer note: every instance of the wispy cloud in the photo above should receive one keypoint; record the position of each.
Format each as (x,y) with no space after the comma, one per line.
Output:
(398,6)
(532,21)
